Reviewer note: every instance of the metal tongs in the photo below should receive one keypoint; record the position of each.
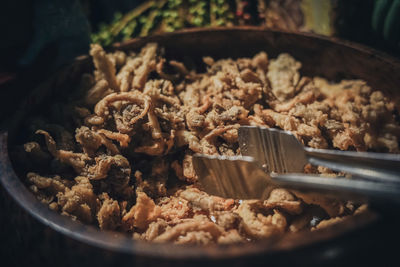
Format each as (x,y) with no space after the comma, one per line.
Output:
(273,158)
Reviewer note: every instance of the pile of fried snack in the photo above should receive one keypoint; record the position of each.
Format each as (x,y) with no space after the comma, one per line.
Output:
(126,163)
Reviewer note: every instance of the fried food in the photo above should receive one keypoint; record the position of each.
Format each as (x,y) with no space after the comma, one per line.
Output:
(142,118)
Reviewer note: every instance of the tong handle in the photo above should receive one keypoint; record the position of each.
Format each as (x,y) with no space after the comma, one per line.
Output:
(378,167)
(347,189)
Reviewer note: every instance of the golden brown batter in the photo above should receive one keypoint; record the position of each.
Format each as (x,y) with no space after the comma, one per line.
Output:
(129,166)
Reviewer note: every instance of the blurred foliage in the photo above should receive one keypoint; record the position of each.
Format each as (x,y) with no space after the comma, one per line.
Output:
(373,22)
(170,15)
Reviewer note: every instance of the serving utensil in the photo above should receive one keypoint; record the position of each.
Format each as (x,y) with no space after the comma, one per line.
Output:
(272,157)
(281,152)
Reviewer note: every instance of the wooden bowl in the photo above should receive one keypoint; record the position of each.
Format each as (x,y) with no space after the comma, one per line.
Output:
(329,58)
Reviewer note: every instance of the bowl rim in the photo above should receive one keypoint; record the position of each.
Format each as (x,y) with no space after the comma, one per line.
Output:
(120,242)
(391,59)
